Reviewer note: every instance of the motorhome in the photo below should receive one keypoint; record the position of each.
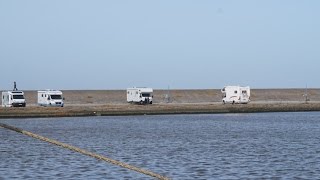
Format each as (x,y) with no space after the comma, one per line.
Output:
(140,95)
(13,99)
(50,98)
(236,94)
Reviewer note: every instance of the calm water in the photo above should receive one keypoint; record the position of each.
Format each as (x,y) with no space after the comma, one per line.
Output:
(237,146)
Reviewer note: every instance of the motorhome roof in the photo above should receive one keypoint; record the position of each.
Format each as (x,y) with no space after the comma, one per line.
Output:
(236,87)
(17,92)
(50,91)
(13,92)
(139,88)
(142,89)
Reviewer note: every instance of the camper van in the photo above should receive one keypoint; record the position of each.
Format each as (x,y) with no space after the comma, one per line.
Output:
(50,98)
(236,94)
(13,99)
(140,95)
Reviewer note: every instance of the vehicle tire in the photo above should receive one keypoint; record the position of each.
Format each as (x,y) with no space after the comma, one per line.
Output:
(223,102)
(233,102)
(150,102)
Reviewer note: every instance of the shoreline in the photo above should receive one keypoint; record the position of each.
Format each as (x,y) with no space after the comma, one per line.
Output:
(202,101)
(83,110)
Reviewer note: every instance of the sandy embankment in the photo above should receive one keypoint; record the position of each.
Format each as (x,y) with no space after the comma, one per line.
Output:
(113,102)
(103,97)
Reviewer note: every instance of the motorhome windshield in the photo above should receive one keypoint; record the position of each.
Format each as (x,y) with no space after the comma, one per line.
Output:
(56,97)
(146,95)
(18,97)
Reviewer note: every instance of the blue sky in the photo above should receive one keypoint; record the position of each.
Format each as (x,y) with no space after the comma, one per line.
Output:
(184,44)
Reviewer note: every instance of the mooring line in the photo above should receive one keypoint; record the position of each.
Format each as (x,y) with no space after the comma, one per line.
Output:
(76,149)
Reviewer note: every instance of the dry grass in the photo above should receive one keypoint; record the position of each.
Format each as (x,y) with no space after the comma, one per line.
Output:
(99,97)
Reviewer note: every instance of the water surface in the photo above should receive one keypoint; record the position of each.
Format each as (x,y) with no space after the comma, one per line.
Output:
(225,146)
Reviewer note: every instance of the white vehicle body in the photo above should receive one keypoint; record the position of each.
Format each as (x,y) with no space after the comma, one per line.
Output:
(50,98)
(236,94)
(13,99)
(140,95)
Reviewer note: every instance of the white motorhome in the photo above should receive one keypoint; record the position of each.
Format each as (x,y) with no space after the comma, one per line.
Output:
(50,98)
(236,94)
(13,99)
(140,95)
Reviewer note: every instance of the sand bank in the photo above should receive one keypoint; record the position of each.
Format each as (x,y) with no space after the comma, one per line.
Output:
(155,109)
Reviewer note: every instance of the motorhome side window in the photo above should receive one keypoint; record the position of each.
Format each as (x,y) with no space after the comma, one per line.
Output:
(56,97)
(145,95)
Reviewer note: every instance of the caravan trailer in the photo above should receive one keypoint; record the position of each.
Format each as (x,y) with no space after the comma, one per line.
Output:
(236,94)
(140,95)
(50,98)
(13,99)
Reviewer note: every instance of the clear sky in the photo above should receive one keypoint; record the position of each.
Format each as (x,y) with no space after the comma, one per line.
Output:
(190,44)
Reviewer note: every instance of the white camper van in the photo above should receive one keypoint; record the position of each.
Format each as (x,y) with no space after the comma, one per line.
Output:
(50,98)
(236,94)
(13,99)
(140,95)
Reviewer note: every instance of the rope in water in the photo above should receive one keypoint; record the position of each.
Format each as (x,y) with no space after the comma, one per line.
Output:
(76,149)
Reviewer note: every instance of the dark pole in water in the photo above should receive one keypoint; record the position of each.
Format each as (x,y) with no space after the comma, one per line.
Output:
(76,149)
